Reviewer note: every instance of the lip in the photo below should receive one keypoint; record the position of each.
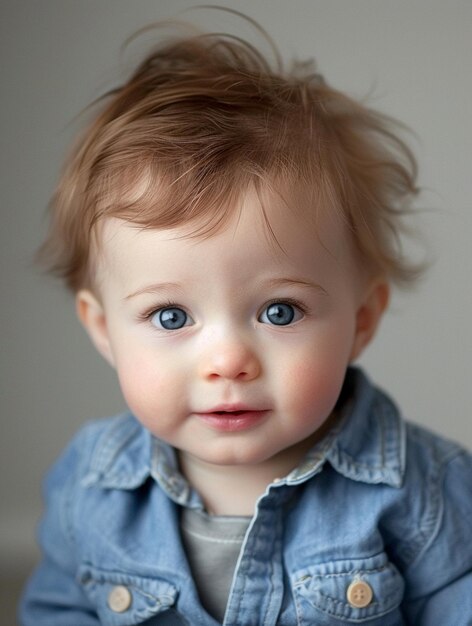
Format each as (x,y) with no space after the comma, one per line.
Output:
(232,417)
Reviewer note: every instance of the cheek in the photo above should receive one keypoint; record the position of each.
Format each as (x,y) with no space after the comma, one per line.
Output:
(146,386)
(315,388)
(312,378)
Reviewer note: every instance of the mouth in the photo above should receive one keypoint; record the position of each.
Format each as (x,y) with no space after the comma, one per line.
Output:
(232,419)
(231,413)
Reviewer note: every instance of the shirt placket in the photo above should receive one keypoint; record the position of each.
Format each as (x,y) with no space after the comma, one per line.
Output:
(257,590)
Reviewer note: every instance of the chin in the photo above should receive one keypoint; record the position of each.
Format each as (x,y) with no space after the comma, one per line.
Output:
(236,455)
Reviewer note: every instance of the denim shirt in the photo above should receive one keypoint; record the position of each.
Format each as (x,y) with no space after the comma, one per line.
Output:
(373,528)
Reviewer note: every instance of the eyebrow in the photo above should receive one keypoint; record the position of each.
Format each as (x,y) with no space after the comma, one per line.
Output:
(299,282)
(272,283)
(154,288)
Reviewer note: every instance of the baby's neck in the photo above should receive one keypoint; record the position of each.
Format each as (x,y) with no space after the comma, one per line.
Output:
(235,489)
(227,490)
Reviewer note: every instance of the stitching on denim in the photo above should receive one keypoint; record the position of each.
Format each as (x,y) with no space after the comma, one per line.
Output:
(66,518)
(430,533)
(385,427)
(275,535)
(369,612)
(158,600)
(430,519)
(355,572)
(298,609)
(70,489)
(332,605)
(118,437)
(360,573)
(163,600)
(343,604)
(243,566)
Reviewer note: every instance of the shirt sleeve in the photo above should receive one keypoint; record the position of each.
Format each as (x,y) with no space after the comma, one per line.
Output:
(53,595)
(440,577)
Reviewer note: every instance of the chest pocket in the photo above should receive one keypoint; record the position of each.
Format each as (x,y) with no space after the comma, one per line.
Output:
(353,591)
(124,600)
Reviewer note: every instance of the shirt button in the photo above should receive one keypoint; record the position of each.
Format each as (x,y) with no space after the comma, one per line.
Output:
(119,599)
(359,594)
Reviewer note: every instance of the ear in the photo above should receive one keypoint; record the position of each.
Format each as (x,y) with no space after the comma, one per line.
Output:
(90,312)
(369,315)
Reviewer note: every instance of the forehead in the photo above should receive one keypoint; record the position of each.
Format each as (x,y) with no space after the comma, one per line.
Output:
(268,228)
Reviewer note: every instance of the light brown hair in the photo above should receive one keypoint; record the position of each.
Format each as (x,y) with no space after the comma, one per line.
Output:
(203,118)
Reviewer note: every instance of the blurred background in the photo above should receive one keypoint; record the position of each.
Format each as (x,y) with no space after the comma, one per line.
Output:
(411,58)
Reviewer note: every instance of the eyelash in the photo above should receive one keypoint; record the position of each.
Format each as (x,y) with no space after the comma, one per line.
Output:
(147,315)
(295,303)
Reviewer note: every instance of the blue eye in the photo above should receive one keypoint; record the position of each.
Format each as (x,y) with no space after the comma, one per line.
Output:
(278,314)
(171,318)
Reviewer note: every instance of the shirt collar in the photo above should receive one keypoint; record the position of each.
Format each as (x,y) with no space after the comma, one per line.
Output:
(368,445)
(372,446)
(126,455)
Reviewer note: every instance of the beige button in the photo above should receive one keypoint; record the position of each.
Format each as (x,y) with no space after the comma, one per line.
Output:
(119,599)
(359,594)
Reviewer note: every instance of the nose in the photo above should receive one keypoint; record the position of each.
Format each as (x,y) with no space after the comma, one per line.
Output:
(230,359)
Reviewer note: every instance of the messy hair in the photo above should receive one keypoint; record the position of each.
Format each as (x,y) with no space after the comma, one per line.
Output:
(203,118)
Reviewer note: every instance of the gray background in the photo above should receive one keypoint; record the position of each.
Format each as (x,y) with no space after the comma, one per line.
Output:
(412,56)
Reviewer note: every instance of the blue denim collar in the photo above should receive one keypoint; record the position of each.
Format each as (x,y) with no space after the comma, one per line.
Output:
(371,445)
(368,445)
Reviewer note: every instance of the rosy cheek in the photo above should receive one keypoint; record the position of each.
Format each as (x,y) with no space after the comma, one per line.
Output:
(142,385)
(316,388)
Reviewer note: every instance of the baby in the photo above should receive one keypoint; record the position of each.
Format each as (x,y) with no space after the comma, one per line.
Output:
(231,233)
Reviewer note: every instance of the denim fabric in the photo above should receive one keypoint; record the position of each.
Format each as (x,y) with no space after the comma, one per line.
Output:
(379,500)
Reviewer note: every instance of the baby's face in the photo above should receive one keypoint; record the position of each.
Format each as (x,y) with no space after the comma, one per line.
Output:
(229,348)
